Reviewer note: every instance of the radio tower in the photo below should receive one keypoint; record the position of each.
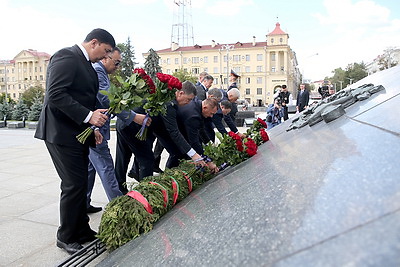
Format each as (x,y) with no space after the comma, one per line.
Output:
(182,29)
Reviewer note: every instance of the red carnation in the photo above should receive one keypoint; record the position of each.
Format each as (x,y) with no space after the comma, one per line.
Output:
(239,145)
(251,147)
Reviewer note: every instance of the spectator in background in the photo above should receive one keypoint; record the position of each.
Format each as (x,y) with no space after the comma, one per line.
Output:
(303,97)
(274,114)
(286,99)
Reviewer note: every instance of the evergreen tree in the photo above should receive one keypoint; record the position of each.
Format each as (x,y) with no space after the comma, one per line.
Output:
(5,110)
(128,59)
(35,109)
(21,110)
(151,65)
(30,95)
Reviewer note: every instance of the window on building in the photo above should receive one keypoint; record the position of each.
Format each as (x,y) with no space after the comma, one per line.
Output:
(259,80)
(168,71)
(225,80)
(236,69)
(205,69)
(273,56)
(215,81)
(247,91)
(168,61)
(225,70)
(40,69)
(282,68)
(236,58)
(205,59)
(248,80)
(160,61)
(41,77)
(176,61)
(259,68)
(225,58)
(35,69)
(273,69)
(247,69)
(14,95)
(195,70)
(215,70)
(247,57)
(259,57)
(19,86)
(281,40)
(184,60)
(195,60)
(259,91)
(215,59)
(272,40)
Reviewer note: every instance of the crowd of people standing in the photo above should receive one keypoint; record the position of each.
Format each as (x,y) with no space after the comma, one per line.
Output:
(73,102)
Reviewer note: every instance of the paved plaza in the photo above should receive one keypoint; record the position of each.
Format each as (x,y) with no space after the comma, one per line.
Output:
(29,199)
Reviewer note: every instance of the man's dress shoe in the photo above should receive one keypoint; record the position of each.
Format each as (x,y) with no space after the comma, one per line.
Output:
(92,209)
(71,248)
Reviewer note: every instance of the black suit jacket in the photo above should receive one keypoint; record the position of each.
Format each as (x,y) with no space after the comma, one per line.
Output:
(201,92)
(71,89)
(191,124)
(302,99)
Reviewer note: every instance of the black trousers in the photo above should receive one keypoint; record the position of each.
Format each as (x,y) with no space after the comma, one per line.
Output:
(71,163)
(285,113)
(127,143)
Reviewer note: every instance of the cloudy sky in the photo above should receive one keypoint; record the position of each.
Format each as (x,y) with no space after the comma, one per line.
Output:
(325,34)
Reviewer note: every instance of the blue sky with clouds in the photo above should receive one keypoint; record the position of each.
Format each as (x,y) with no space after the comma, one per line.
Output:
(340,31)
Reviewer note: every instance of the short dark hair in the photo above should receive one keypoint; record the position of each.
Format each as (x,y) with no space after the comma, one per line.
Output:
(208,77)
(226,104)
(188,88)
(211,102)
(216,93)
(284,86)
(101,35)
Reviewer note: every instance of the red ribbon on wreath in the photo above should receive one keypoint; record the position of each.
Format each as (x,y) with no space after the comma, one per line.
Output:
(175,187)
(189,181)
(164,192)
(139,197)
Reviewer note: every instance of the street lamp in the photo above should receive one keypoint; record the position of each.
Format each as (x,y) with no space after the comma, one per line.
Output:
(350,79)
(227,47)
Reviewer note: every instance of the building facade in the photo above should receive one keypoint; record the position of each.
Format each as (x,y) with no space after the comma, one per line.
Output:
(27,69)
(263,66)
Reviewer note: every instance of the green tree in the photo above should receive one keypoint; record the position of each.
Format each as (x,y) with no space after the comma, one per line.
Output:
(338,78)
(128,59)
(21,110)
(10,101)
(35,109)
(151,65)
(354,73)
(5,110)
(183,75)
(31,94)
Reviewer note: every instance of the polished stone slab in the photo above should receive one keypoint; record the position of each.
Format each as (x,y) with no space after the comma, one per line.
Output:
(326,195)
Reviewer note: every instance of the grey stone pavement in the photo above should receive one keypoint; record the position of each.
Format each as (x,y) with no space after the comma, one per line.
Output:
(29,199)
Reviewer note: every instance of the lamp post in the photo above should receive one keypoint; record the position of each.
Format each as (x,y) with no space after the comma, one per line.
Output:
(227,47)
(341,85)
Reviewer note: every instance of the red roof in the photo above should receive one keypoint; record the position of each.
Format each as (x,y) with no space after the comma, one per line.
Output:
(38,54)
(216,47)
(277,30)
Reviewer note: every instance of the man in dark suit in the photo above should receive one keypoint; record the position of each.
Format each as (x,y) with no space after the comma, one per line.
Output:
(302,98)
(191,123)
(202,89)
(69,108)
